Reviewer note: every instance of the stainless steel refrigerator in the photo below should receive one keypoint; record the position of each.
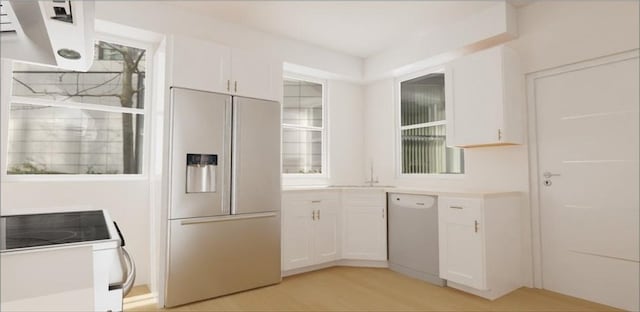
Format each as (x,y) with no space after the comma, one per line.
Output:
(224,214)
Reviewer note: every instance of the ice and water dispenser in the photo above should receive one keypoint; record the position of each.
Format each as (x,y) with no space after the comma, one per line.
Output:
(201,173)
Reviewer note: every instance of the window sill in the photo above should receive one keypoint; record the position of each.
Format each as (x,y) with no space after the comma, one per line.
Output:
(74,178)
(434,176)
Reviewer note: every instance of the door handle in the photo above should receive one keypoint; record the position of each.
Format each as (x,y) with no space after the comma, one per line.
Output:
(476,226)
(313,215)
(548,174)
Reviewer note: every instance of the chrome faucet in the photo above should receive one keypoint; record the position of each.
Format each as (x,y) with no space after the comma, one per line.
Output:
(371,181)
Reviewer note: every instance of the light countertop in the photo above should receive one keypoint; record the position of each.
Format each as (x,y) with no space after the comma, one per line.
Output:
(403,190)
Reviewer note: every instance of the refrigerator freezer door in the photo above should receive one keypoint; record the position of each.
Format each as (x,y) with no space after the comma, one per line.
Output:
(256,156)
(200,127)
(211,257)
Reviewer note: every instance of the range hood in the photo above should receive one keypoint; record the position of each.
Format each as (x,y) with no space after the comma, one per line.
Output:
(56,33)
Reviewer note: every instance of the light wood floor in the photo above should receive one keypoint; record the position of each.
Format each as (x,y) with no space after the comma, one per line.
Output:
(374,289)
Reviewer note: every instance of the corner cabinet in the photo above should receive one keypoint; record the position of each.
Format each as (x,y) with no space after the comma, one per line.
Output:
(208,66)
(365,225)
(485,99)
(310,228)
(479,243)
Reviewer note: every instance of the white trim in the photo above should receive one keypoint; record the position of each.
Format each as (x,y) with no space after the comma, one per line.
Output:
(310,128)
(296,178)
(75,105)
(6,69)
(440,69)
(425,125)
(536,221)
(72,177)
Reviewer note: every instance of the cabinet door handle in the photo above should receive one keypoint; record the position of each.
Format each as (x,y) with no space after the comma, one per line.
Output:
(499,134)
(383,212)
(228,85)
(456,207)
(235,86)
(313,215)
(476,225)
(316,201)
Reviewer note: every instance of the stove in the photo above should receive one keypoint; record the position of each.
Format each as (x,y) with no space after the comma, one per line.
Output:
(39,230)
(29,240)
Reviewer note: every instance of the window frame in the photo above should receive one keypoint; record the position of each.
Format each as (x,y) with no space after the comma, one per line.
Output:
(6,99)
(399,128)
(292,178)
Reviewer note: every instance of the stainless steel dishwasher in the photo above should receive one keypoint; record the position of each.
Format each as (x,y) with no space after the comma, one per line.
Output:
(413,236)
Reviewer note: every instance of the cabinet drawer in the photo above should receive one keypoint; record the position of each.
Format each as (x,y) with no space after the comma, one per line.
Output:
(456,207)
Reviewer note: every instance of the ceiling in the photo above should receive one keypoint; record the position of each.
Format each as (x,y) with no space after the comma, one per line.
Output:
(358,28)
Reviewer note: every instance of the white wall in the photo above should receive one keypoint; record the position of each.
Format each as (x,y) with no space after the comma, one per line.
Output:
(167,19)
(491,26)
(346,137)
(555,33)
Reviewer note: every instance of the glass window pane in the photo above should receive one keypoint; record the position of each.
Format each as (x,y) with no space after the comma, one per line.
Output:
(301,151)
(422,100)
(424,150)
(116,78)
(56,140)
(302,105)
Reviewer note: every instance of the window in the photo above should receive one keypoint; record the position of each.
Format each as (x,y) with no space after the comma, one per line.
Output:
(303,127)
(66,122)
(423,128)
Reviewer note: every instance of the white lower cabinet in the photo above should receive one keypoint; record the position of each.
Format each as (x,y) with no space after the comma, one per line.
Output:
(310,228)
(479,243)
(365,225)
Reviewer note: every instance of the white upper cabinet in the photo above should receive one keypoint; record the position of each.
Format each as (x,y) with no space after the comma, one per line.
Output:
(485,99)
(256,76)
(365,225)
(208,66)
(200,65)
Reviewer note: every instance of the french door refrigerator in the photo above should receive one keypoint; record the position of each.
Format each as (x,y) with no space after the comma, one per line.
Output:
(224,205)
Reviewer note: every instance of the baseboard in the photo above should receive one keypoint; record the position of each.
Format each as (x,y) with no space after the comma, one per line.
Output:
(491,294)
(341,262)
(309,268)
(363,263)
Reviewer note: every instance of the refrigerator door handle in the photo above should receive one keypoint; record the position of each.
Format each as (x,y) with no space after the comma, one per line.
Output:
(228,144)
(229,218)
(234,154)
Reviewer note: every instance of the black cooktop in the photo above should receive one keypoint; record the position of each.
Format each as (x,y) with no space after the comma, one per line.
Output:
(33,230)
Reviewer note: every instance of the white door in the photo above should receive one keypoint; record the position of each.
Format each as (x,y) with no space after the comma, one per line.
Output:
(461,241)
(297,234)
(364,225)
(326,230)
(587,131)
(364,233)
